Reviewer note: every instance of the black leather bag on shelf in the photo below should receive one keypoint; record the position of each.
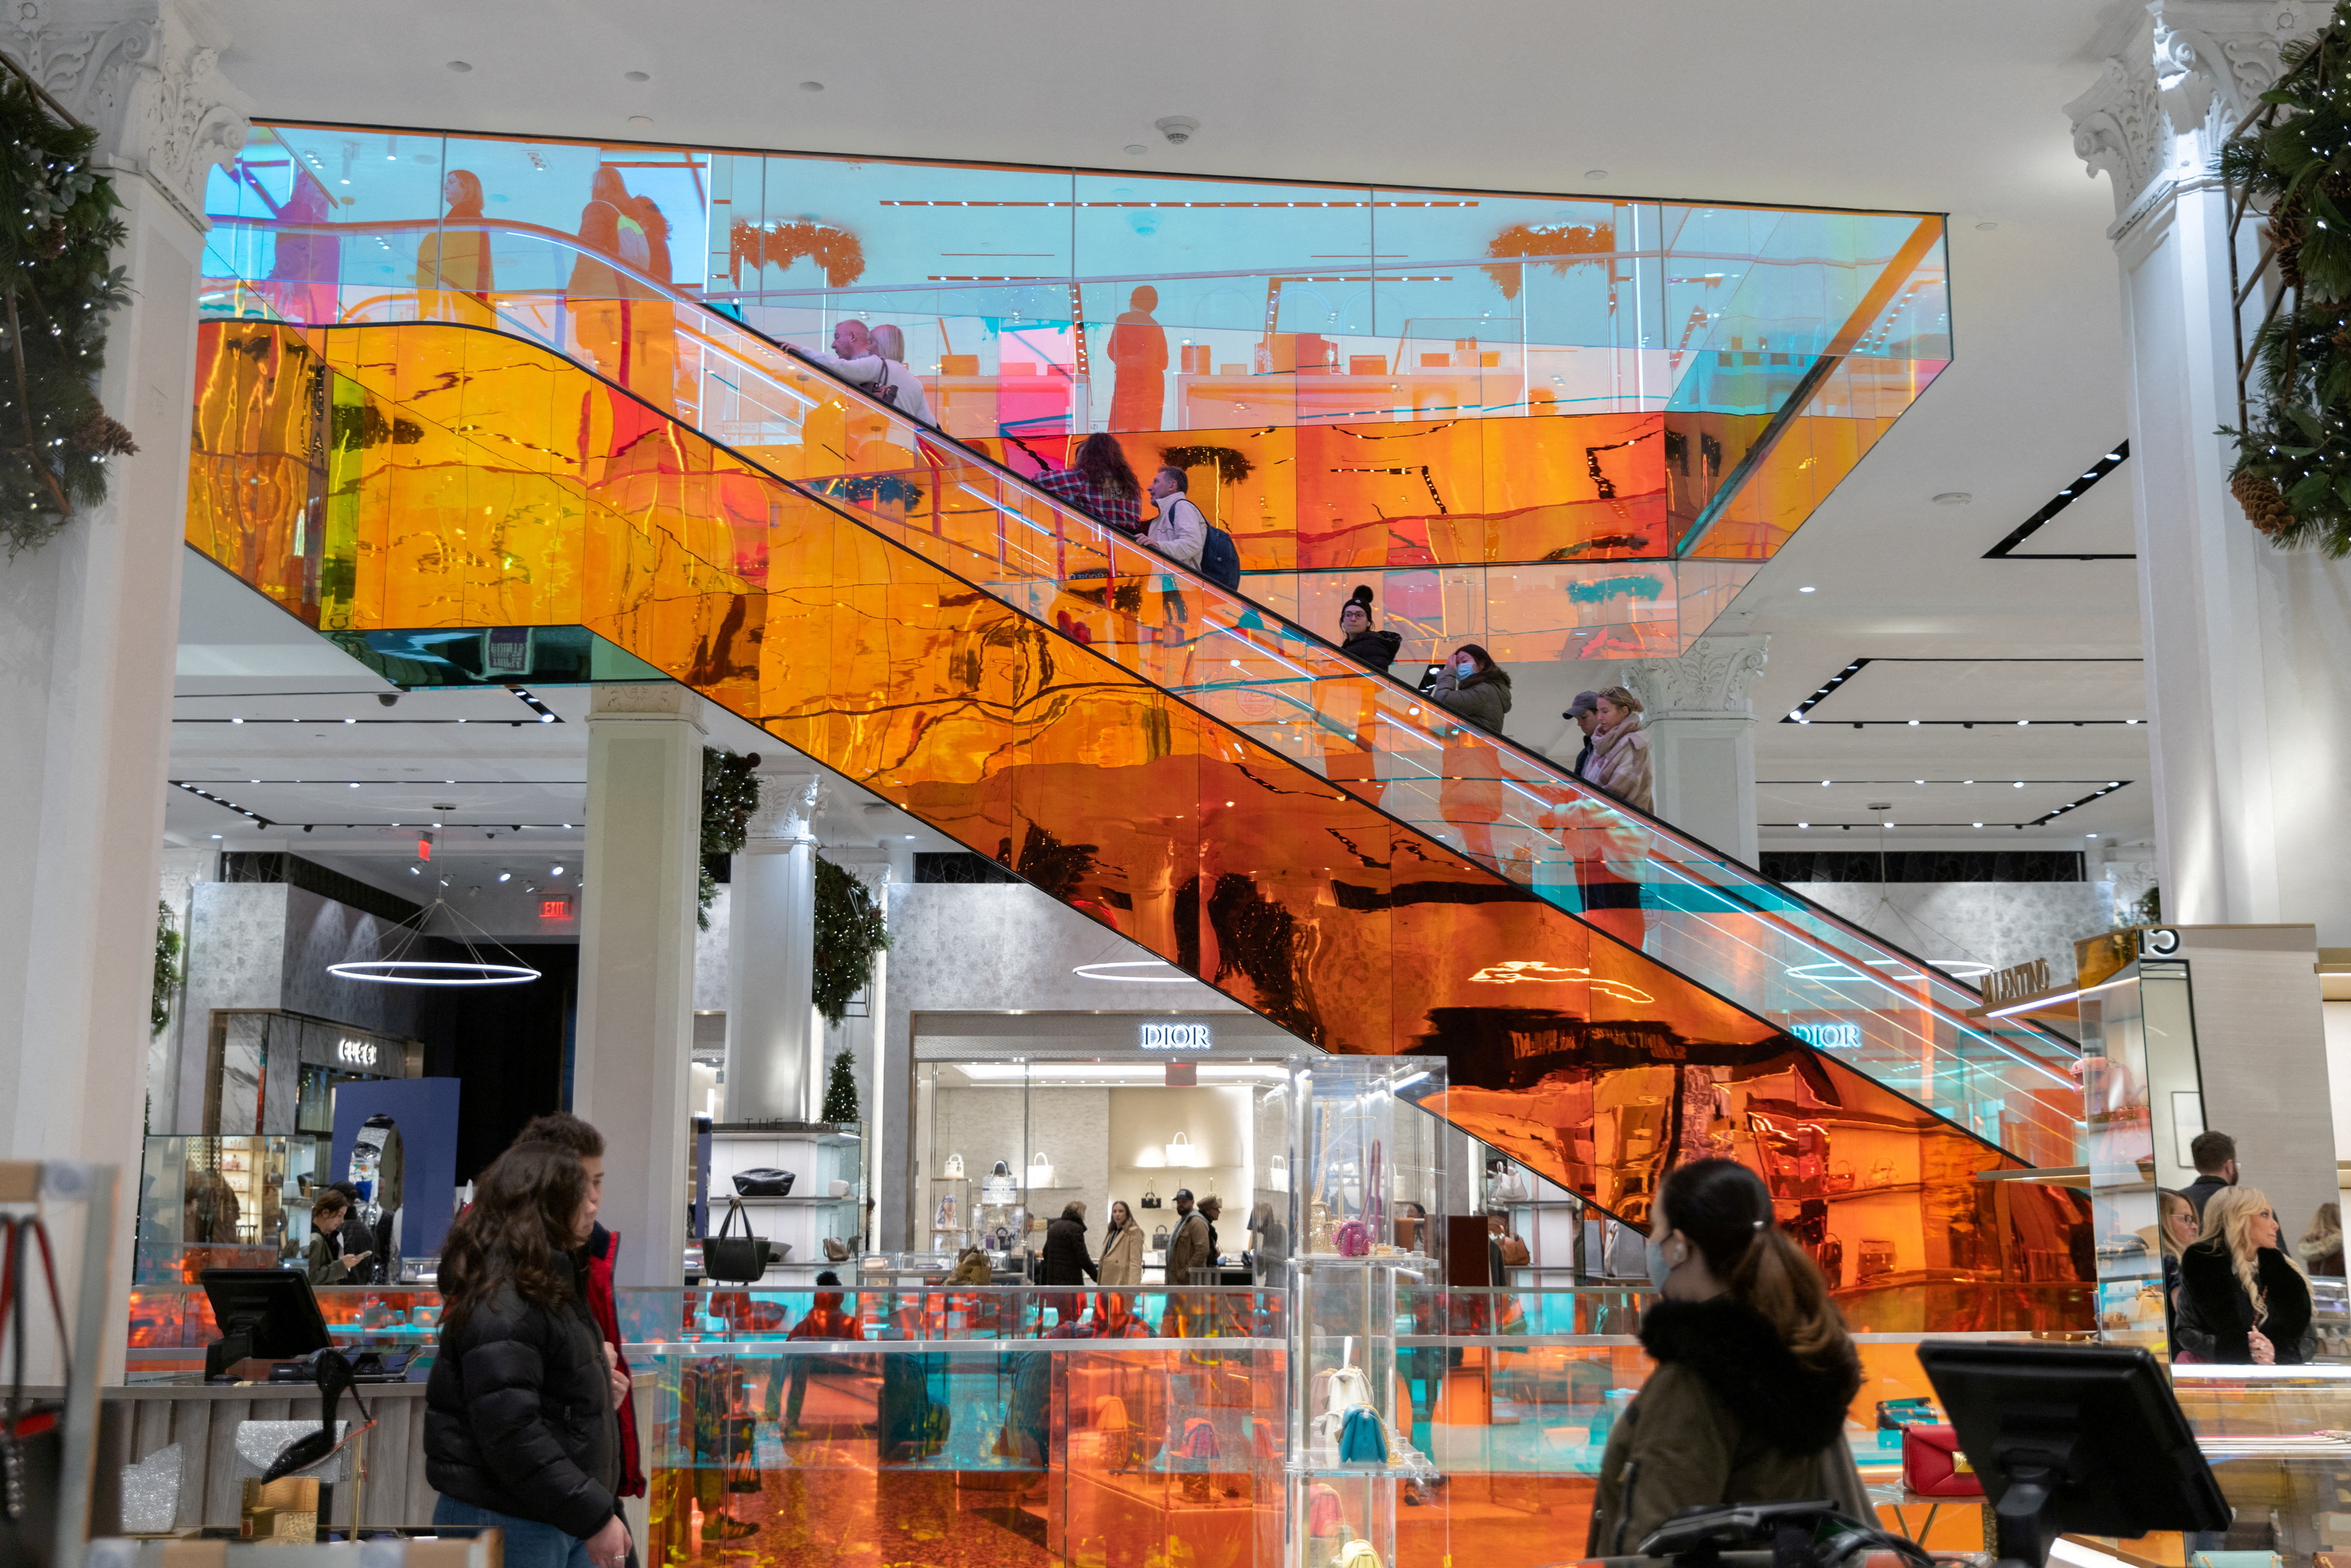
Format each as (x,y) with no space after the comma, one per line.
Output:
(735,1260)
(764,1181)
(32,1434)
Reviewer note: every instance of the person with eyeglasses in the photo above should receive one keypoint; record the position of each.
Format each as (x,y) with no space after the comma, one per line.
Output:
(2243,1300)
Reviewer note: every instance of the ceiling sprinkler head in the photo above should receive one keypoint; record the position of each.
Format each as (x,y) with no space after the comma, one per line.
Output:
(1177,128)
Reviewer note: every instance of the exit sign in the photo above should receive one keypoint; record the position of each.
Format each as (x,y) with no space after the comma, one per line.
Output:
(555,909)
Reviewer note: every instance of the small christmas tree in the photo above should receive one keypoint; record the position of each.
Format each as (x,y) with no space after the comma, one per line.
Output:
(841,1092)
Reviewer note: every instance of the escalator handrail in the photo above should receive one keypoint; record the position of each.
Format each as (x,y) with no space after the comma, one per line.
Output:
(1740,889)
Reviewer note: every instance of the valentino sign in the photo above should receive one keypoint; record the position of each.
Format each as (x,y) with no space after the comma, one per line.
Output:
(1175,1036)
(355,1053)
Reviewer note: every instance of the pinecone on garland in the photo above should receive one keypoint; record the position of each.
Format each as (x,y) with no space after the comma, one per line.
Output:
(100,433)
(2263,503)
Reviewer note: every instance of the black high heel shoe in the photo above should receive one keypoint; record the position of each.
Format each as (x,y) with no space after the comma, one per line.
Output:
(334,1374)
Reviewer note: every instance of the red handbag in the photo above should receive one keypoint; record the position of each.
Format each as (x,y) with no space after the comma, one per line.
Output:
(1932,1465)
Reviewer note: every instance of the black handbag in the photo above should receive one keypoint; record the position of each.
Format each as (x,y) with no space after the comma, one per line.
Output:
(1159,1239)
(763,1182)
(1150,1198)
(736,1260)
(32,1436)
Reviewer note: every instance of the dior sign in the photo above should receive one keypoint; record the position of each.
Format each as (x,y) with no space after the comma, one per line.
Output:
(1175,1036)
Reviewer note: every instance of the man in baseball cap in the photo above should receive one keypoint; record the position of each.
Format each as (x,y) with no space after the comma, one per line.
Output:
(1586,711)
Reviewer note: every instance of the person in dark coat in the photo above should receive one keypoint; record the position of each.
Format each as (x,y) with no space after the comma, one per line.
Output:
(1372,649)
(519,1412)
(1066,1260)
(1584,713)
(2243,1303)
(2215,1155)
(357,1239)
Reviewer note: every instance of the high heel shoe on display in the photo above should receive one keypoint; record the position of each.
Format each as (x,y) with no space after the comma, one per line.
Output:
(334,1376)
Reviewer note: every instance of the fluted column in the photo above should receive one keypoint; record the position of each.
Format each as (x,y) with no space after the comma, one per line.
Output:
(92,616)
(773,1068)
(2248,647)
(1701,724)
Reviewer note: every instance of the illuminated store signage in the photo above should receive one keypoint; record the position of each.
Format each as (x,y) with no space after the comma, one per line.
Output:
(1175,1036)
(1828,1036)
(352,1053)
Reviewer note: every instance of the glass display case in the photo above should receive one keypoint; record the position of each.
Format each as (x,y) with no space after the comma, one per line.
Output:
(1367,1168)
(224,1202)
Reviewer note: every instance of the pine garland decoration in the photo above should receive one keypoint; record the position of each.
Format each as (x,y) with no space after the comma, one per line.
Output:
(730,793)
(849,929)
(169,970)
(2293,474)
(58,288)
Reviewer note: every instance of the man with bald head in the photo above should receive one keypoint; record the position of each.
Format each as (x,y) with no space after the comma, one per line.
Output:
(857,359)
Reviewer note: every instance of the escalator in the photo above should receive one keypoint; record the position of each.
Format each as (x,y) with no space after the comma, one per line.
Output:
(1178,762)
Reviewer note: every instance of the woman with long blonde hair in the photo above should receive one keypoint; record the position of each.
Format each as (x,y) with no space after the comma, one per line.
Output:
(2242,1300)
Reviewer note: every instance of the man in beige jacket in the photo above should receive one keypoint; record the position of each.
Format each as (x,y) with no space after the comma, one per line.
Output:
(1187,1249)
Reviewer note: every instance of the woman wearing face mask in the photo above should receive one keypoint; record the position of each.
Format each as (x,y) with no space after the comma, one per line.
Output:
(1473,687)
(1755,1370)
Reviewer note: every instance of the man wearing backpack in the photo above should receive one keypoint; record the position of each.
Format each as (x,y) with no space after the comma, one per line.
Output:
(1179,530)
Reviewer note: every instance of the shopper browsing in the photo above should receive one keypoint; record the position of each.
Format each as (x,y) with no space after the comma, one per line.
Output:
(1121,1255)
(1066,1260)
(2320,1247)
(519,1425)
(565,1131)
(1187,1253)
(329,1261)
(2241,1301)
(1755,1370)
(1179,532)
(2215,1155)
(1583,712)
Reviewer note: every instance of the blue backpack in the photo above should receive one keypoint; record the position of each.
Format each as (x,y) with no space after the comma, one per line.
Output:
(1363,1440)
(1220,564)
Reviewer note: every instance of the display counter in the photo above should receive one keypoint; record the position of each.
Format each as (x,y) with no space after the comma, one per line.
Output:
(172,1324)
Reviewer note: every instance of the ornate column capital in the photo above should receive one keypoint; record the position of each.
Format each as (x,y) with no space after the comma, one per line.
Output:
(147,76)
(786,815)
(2189,72)
(1712,680)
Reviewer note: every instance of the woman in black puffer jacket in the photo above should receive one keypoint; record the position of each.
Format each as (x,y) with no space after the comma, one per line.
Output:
(519,1430)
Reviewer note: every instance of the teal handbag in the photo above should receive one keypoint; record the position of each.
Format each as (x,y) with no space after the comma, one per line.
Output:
(1363,1440)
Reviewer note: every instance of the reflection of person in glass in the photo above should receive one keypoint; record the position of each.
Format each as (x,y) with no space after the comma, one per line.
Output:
(1138,348)
(857,359)
(454,276)
(307,266)
(597,295)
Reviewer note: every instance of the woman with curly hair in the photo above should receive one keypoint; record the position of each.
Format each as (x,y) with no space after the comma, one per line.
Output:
(2242,1301)
(519,1430)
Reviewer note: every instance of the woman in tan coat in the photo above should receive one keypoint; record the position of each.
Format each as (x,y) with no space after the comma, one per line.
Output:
(1120,1267)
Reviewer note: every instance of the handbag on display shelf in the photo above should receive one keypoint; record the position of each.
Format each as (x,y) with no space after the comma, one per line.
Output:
(1358,1553)
(953,1167)
(1352,1239)
(764,1181)
(1179,1151)
(1040,1171)
(1324,1517)
(1199,1441)
(1514,1251)
(1363,1437)
(735,1260)
(1150,1198)
(1276,1174)
(1511,1186)
(1933,1466)
(1159,1239)
(836,1250)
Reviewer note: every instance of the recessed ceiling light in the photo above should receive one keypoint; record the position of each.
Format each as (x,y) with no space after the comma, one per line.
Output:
(555,871)
(1953,498)
(1138,149)
(1595,173)
(636,75)
(910,835)
(812,87)
(506,877)
(256,781)
(642,121)
(1986,228)
(1808,588)
(1804,824)
(216,835)
(460,66)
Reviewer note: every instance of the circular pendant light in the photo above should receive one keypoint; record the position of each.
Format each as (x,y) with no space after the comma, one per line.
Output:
(420,972)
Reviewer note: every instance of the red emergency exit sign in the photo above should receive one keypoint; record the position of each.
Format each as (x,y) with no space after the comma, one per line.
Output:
(555,909)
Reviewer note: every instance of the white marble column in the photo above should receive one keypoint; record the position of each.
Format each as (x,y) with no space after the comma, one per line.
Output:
(92,617)
(1701,725)
(2248,647)
(634,1047)
(774,1066)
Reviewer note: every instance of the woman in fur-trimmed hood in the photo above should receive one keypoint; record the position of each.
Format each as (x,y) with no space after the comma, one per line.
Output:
(1755,1370)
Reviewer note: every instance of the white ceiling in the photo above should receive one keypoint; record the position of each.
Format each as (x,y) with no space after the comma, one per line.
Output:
(1877,103)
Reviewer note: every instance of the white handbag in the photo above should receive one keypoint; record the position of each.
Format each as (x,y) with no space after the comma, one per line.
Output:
(1179,1151)
(954,1166)
(1040,1170)
(1277,1175)
(1347,1389)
